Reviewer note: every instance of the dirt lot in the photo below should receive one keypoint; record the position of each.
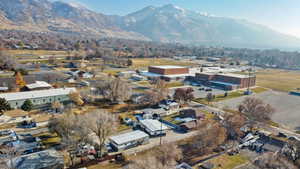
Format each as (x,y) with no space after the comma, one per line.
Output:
(287,107)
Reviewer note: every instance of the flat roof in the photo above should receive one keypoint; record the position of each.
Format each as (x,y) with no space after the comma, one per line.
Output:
(150,74)
(128,137)
(38,84)
(153,125)
(168,67)
(227,74)
(36,94)
(235,75)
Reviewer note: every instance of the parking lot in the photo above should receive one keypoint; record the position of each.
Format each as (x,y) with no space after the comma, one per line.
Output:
(200,93)
(287,107)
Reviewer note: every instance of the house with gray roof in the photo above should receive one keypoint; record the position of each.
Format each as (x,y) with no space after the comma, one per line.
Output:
(129,140)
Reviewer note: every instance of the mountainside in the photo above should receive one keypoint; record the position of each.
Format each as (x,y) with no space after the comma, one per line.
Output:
(164,24)
(173,24)
(43,15)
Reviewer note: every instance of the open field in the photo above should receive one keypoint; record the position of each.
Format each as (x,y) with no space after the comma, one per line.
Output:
(279,80)
(37,52)
(145,62)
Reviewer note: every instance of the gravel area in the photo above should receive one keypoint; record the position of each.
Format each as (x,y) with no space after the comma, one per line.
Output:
(287,107)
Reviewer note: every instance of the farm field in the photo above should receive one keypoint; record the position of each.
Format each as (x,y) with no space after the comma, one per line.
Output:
(279,80)
(37,52)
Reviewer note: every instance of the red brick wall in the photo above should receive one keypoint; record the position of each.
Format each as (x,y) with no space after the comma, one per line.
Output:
(204,77)
(171,71)
(242,82)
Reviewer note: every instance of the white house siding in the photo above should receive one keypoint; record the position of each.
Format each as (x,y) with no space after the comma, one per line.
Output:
(40,101)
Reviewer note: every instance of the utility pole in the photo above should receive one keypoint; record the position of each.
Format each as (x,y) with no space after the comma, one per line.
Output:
(160,137)
(249,78)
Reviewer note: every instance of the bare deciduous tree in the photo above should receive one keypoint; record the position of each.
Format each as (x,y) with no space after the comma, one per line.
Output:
(101,124)
(7,61)
(256,110)
(163,157)
(273,161)
(168,154)
(71,132)
(183,95)
(116,90)
(210,136)
(233,123)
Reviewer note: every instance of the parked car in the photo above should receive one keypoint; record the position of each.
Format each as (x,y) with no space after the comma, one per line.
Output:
(195,84)
(5,132)
(201,88)
(128,121)
(27,124)
(208,89)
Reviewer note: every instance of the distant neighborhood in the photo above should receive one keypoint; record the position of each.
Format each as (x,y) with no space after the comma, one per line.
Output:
(110,112)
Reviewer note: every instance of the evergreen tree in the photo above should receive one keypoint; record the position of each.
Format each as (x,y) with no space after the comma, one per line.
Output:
(4,105)
(27,106)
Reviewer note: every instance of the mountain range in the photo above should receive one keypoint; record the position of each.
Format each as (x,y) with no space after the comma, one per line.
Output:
(164,24)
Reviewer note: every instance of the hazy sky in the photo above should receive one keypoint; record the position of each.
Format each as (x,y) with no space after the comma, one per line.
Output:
(281,15)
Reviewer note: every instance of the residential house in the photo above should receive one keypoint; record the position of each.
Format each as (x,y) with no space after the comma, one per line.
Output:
(129,140)
(153,127)
(38,85)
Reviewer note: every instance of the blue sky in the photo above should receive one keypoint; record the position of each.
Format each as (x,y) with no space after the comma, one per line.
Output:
(281,15)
